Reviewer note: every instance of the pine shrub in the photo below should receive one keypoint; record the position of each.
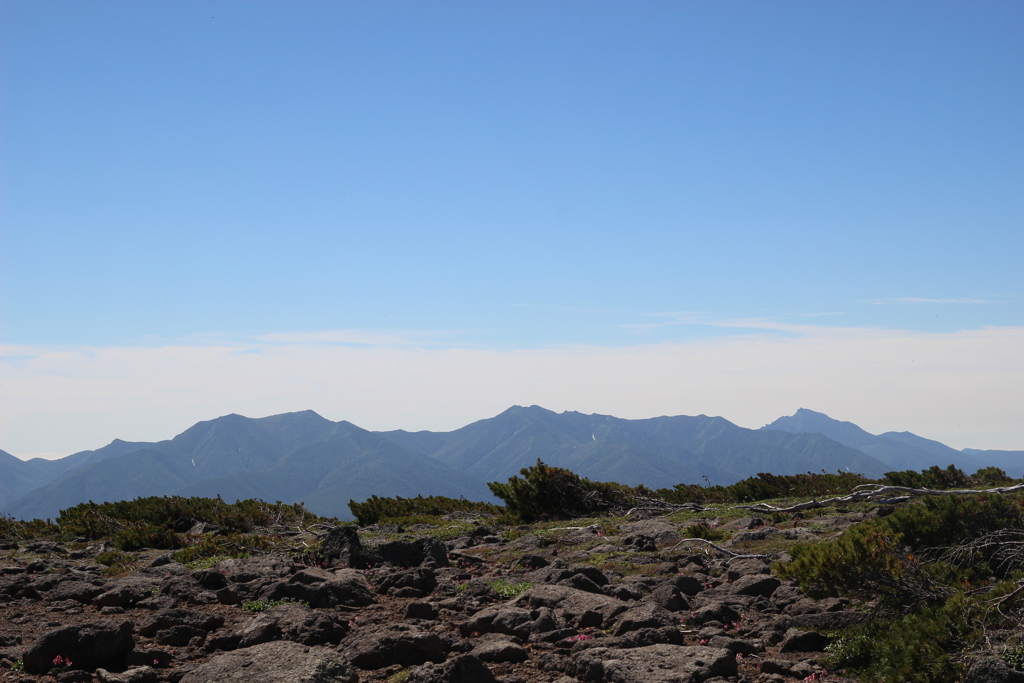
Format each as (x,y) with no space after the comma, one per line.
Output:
(376,510)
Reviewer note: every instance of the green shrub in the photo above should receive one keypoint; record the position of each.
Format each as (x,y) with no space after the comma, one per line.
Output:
(162,522)
(766,487)
(116,561)
(938,566)
(1014,656)
(932,478)
(544,492)
(375,510)
(22,531)
(885,555)
(992,476)
(914,649)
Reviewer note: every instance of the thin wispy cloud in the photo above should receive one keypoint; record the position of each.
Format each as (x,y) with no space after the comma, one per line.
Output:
(923,300)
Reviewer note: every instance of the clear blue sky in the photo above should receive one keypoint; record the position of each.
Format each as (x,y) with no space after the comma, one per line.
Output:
(514,175)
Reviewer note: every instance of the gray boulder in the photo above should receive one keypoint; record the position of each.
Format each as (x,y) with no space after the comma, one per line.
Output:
(804,641)
(139,674)
(644,615)
(278,662)
(79,591)
(322,588)
(752,584)
(290,621)
(167,618)
(375,647)
(88,646)
(578,608)
(992,670)
(460,669)
(407,552)
(652,664)
(498,649)
(244,570)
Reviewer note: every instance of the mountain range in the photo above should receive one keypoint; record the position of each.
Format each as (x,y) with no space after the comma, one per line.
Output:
(304,457)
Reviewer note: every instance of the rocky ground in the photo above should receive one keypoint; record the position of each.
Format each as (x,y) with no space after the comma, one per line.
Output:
(611,600)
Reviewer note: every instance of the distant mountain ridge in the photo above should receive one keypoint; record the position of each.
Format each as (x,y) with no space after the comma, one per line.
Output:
(303,457)
(898,450)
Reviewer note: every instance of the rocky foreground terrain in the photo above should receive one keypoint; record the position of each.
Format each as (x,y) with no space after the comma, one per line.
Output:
(612,600)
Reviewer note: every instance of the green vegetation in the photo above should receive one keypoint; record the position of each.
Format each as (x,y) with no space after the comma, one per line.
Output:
(507,589)
(260,605)
(766,487)
(554,492)
(22,531)
(205,562)
(116,562)
(945,570)
(161,521)
(377,510)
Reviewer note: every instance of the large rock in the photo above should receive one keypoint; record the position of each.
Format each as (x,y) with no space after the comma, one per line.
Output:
(321,588)
(579,608)
(992,670)
(168,618)
(290,621)
(407,583)
(804,641)
(498,649)
(644,615)
(752,584)
(279,662)
(513,621)
(246,569)
(341,547)
(127,592)
(407,552)
(79,591)
(653,664)
(87,645)
(375,647)
(460,669)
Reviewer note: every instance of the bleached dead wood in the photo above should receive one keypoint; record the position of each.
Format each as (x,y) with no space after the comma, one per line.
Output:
(731,554)
(874,491)
(661,506)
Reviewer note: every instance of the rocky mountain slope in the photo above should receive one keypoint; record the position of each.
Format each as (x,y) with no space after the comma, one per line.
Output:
(464,602)
(632,598)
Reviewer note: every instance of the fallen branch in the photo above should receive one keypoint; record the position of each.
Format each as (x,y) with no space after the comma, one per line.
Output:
(659,506)
(731,554)
(873,491)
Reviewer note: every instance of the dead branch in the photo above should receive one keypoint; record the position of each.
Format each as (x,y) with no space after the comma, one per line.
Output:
(731,554)
(662,506)
(873,491)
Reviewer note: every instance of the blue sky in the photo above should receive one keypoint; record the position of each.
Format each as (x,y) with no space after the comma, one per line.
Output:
(507,179)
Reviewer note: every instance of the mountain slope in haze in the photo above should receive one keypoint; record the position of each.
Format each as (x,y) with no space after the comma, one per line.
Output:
(348,464)
(149,472)
(658,452)
(17,477)
(1010,461)
(292,458)
(898,450)
(303,457)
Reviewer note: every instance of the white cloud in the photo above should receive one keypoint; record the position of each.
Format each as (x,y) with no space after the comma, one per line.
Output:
(966,386)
